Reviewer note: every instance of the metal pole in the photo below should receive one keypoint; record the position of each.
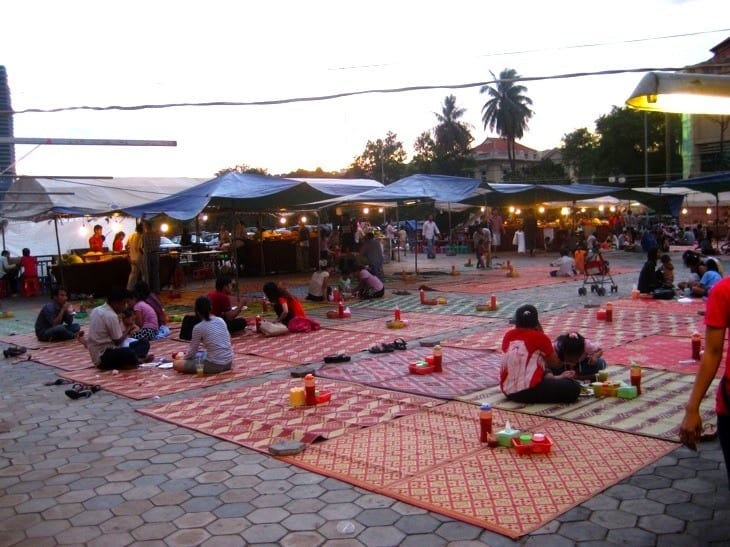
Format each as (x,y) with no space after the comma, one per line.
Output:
(58,247)
(646,150)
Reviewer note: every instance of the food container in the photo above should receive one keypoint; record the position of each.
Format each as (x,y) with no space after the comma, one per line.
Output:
(532,446)
(609,389)
(505,437)
(627,392)
(420,368)
(322,397)
(597,389)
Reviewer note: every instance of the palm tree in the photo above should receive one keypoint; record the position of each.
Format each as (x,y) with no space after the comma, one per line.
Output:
(508,110)
(452,136)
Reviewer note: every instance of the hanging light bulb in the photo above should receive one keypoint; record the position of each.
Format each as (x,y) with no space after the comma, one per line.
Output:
(684,210)
(303,219)
(511,209)
(709,211)
(365,210)
(282,220)
(541,210)
(482,209)
(164,227)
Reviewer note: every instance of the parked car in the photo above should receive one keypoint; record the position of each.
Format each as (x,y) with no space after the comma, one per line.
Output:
(167,245)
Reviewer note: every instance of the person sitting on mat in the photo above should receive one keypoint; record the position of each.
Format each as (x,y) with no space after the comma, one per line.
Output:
(286,306)
(370,286)
(579,355)
(55,322)
(319,290)
(528,354)
(221,305)
(212,333)
(565,265)
(106,335)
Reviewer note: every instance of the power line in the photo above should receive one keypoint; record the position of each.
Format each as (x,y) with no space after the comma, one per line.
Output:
(317,98)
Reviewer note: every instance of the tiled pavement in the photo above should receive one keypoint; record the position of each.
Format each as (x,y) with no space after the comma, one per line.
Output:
(95,472)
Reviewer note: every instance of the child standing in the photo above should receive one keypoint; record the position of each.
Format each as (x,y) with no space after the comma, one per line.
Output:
(666,272)
(578,354)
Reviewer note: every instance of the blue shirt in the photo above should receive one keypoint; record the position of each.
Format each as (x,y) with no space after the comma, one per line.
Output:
(709,279)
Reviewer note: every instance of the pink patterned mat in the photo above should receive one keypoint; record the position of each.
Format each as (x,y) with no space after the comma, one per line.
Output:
(657,412)
(433,459)
(308,347)
(147,382)
(420,325)
(658,352)
(258,416)
(463,371)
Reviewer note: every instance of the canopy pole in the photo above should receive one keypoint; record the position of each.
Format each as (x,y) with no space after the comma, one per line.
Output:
(58,247)
(233,253)
(260,233)
(319,242)
(717,221)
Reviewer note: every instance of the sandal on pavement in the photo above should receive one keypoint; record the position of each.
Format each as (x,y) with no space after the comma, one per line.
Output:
(59,382)
(709,433)
(337,358)
(78,394)
(400,344)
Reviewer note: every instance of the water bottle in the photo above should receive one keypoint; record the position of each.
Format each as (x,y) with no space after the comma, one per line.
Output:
(310,392)
(485,422)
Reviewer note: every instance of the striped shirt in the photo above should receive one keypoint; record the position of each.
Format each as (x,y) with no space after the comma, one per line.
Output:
(213,335)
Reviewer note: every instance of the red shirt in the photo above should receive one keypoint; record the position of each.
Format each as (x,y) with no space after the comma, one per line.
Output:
(717,315)
(96,243)
(523,364)
(295,307)
(220,302)
(30,266)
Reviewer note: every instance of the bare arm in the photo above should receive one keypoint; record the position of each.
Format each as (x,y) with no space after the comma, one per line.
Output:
(691,427)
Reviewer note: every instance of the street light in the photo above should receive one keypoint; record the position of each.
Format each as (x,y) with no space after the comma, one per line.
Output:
(682,93)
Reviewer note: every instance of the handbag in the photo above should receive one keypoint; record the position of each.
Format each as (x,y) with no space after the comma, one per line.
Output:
(269,328)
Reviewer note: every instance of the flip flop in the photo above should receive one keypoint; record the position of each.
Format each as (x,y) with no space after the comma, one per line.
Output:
(709,433)
(400,344)
(74,394)
(338,358)
(381,348)
(59,382)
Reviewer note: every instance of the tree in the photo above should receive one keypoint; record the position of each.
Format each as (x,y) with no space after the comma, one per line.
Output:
(721,161)
(243,168)
(452,139)
(508,110)
(383,160)
(580,149)
(545,171)
(617,147)
(424,154)
(318,173)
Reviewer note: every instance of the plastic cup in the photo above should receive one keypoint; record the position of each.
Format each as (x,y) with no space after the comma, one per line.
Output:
(429,360)
(602,376)
(199,368)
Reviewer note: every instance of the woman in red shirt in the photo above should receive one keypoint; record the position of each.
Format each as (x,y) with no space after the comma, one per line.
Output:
(529,356)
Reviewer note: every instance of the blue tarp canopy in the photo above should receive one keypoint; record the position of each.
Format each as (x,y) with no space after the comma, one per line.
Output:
(711,184)
(241,192)
(418,187)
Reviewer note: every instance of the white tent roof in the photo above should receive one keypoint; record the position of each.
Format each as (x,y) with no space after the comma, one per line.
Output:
(31,198)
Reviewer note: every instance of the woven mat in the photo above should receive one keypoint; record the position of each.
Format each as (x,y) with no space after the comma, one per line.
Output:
(420,325)
(356,315)
(664,306)
(433,460)
(463,371)
(657,412)
(260,415)
(658,352)
(28,340)
(147,382)
(309,347)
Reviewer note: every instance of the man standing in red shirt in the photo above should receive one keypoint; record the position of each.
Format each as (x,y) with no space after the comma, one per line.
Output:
(221,305)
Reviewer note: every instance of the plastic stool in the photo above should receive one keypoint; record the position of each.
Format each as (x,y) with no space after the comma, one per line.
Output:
(31,286)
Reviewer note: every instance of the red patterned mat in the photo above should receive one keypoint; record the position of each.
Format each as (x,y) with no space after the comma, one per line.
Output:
(658,352)
(28,340)
(686,306)
(420,325)
(147,382)
(433,459)
(657,412)
(307,347)
(463,371)
(258,416)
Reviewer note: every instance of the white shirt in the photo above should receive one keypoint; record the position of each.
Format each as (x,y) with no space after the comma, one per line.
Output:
(430,230)
(316,283)
(104,328)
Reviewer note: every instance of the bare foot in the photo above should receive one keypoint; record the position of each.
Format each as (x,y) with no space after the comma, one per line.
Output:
(82,339)
(149,358)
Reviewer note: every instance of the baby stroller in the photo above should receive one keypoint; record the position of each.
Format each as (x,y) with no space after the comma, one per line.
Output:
(596,273)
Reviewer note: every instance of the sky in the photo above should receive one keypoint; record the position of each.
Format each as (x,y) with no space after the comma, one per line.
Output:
(74,53)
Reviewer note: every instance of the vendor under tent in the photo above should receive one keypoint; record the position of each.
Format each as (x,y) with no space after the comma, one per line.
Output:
(234,192)
(437,188)
(39,199)
(715,184)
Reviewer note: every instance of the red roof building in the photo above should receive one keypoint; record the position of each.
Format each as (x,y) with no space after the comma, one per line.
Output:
(493,162)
